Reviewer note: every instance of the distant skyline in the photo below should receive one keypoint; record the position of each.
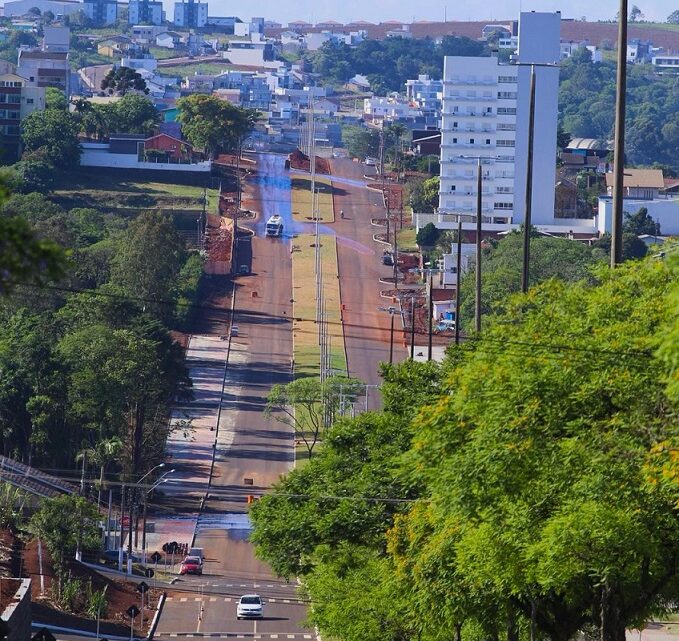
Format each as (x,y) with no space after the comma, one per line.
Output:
(350,10)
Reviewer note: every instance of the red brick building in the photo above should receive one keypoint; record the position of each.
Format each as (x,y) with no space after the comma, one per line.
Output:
(174,148)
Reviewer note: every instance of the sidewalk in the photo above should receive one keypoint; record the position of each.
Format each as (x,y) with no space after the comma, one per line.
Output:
(191,443)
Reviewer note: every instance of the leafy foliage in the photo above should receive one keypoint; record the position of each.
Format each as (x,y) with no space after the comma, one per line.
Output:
(55,134)
(212,124)
(120,80)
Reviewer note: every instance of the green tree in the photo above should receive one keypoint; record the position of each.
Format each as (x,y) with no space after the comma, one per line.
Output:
(673,18)
(214,125)
(428,235)
(136,114)
(55,133)
(55,99)
(361,142)
(120,80)
(640,223)
(309,406)
(61,523)
(148,262)
(424,195)
(501,269)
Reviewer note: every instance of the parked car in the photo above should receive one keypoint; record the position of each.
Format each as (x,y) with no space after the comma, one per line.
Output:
(243,270)
(234,330)
(111,556)
(388,259)
(191,565)
(370,162)
(250,606)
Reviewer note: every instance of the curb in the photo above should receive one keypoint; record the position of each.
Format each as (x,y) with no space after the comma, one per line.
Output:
(83,633)
(381,242)
(156,617)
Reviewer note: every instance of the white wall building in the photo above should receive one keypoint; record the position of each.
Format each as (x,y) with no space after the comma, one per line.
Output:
(190,14)
(145,11)
(101,12)
(485,113)
(382,108)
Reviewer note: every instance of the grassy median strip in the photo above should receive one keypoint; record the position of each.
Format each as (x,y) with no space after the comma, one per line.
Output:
(301,199)
(306,350)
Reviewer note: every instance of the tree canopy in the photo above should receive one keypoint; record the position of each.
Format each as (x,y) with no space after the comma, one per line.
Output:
(528,489)
(53,133)
(213,124)
(120,80)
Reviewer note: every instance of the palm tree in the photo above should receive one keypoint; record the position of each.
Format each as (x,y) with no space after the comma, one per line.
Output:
(101,454)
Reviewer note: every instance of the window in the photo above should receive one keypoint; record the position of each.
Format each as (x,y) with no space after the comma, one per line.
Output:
(504,190)
(452,188)
(471,141)
(506,111)
(455,125)
(488,141)
(29,101)
(14,99)
(506,79)
(504,205)
(506,95)
(505,126)
(505,143)
(455,141)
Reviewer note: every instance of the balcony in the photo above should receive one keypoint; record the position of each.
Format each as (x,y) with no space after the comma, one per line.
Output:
(459,98)
(460,81)
(469,114)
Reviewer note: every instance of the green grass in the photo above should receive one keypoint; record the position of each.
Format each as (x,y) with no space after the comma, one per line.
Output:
(406,239)
(664,26)
(306,350)
(161,53)
(204,68)
(103,191)
(301,200)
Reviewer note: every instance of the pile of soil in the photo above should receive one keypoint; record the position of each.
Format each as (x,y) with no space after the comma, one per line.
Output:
(8,588)
(120,595)
(300,161)
(218,243)
(8,557)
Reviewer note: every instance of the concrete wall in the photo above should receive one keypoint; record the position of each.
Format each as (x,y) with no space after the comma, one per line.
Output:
(98,155)
(663,211)
(17,614)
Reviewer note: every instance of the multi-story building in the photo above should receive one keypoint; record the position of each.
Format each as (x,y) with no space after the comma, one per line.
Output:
(485,116)
(190,13)
(145,12)
(17,100)
(426,94)
(45,69)
(101,12)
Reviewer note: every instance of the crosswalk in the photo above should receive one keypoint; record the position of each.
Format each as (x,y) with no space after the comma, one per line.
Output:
(226,599)
(233,635)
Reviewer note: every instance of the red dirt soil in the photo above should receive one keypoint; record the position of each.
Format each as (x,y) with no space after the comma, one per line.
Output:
(299,160)
(119,596)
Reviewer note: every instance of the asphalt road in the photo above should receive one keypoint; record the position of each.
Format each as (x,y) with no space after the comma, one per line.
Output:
(366,328)
(252,451)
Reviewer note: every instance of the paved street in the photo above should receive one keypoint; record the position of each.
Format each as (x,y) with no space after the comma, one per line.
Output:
(366,329)
(252,451)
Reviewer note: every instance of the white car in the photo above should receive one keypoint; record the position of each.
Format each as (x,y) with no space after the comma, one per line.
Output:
(249,606)
(370,162)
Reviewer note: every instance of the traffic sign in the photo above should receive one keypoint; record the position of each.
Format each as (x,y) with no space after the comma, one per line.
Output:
(148,573)
(132,611)
(155,557)
(143,587)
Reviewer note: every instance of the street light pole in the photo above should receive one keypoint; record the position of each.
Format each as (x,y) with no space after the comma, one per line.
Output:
(458,268)
(391,339)
(619,146)
(477,304)
(525,272)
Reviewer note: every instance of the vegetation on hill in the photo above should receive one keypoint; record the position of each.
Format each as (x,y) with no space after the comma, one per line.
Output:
(527,483)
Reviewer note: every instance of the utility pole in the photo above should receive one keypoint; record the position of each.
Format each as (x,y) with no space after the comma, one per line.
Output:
(525,272)
(458,269)
(431,315)
(391,338)
(412,328)
(477,304)
(619,146)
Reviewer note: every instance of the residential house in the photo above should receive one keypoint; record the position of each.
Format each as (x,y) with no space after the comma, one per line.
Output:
(585,152)
(250,53)
(299,25)
(329,24)
(146,61)
(161,152)
(639,51)
(427,94)
(117,46)
(198,83)
(642,188)
(18,98)
(358,83)
(380,109)
(170,40)
(566,199)
(247,29)
(146,34)
(291,42)
(400,32)
(174,149)
(222,23)
(45,69)
(426,142)
(56,39)
(666,61)
(643,184)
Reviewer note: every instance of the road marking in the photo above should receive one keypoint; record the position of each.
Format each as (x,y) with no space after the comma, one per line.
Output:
(197,598)
(169,598)
(286,600)
(213,599)
(272,600)
(291,636)
(274,636)
(183,599)
(307,636)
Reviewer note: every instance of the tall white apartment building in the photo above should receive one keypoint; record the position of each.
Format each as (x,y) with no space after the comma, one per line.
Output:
(485,114)
(145,12)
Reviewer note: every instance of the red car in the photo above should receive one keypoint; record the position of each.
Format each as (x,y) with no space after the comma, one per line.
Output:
(191,565)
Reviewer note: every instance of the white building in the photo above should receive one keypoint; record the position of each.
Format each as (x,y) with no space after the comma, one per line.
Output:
(666,61)
(381,108)
(145,11)
(150,63)
(189,13)
(485,113)
(56,39)
(426,94)
(101,12)
(251,53)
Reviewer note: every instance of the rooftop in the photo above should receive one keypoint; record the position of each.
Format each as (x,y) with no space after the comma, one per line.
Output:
(649,178)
